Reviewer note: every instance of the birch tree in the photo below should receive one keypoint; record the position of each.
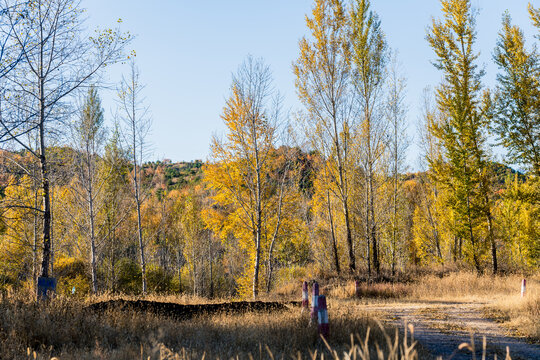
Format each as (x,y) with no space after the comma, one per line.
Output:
(240,173)
(136,127)
(397,144)
(369,58)
(89,138)
(56,61)
(323,84)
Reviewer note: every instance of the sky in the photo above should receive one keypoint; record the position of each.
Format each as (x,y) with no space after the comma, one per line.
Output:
(187,51)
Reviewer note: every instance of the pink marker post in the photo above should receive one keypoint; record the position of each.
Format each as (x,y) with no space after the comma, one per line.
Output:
(305,296)
(324,327)
(314,301)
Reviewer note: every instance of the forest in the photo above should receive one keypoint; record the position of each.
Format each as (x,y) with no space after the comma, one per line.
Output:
(322,191)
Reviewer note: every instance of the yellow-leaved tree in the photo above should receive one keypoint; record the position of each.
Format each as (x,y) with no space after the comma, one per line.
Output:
(323,84)
(247,189)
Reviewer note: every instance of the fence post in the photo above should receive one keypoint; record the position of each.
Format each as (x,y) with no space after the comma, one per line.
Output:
(357,288)
(305,296)
(324,327)
(314,301)
(523,287)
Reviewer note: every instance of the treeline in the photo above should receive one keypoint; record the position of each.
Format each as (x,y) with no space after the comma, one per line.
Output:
(326,189)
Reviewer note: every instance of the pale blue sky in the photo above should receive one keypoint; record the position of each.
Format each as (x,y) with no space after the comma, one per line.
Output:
(187,51)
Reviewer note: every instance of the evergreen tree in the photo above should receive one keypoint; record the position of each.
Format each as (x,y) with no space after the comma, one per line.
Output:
(516,105)
(463,165)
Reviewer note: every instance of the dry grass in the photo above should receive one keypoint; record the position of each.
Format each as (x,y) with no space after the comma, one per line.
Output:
(521,315)
(365,290)
(466,286)
(500,293)
(183,299)
(63,329)
(458,286)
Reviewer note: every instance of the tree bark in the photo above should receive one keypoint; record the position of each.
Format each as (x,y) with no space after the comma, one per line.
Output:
(334,242)
(45,184)
(258,230)
(136,181)
(92,239)
(471,235)
(344,195)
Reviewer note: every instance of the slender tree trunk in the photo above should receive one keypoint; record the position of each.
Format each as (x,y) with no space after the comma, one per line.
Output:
(492,240)
(352,260)
(113,260)
(194,272)
(136,181)
(211,257)
(44,167)
(344,197)
(375,247)
(141,242)
(92,238)
(276,230)
(395,196)
(270,263)
(258,231)
(473,241)
(52,232)
(179,265)
(455,249)
(334,241)
(367,229)
(370,201)
(34,246)
(258,199)
(394,229)
(46,220)
(45,184)
(272,244)
(433,224)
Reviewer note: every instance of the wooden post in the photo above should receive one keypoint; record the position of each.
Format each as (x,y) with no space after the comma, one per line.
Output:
(305,296)
(357,288)
(523,287)
(324,327)
(314,301)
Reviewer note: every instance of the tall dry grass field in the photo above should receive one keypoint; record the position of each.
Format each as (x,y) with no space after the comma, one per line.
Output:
(66,330)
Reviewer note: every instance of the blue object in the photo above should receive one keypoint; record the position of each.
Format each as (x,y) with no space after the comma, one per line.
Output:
(45,287)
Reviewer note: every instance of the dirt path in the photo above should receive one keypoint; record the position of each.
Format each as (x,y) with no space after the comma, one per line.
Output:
(440,327)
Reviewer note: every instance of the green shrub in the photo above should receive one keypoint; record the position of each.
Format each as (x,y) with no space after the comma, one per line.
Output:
(129,277)
(159,281)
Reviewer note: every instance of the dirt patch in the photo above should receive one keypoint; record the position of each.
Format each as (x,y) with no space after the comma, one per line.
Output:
(442,326)
(185,312)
